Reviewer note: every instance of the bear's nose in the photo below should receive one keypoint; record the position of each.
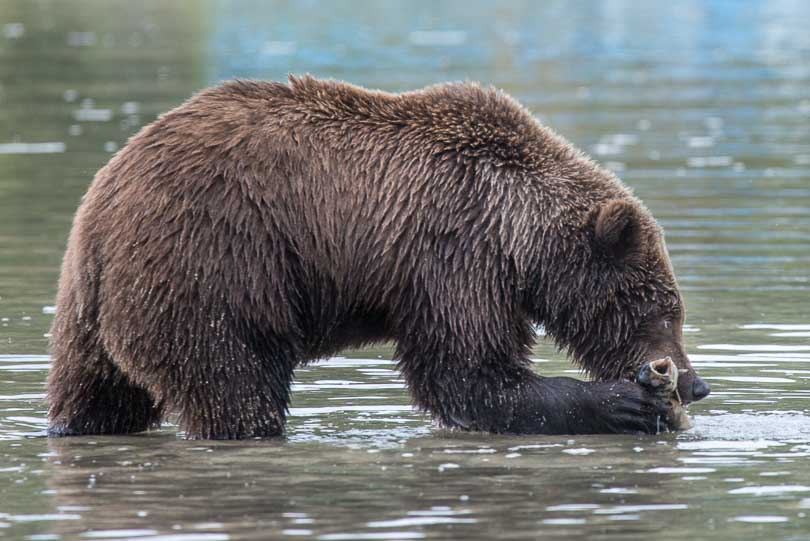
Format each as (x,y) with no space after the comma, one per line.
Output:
(700,389)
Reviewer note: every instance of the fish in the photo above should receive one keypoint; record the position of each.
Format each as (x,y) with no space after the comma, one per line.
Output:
(660,377)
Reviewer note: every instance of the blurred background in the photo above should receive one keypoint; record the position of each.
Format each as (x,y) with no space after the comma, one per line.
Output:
(701,106)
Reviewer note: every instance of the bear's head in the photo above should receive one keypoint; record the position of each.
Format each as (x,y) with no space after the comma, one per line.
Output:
(625,308)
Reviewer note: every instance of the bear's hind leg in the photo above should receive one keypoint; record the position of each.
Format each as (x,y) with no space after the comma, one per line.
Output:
(227,387)
(247,399)
(87,393)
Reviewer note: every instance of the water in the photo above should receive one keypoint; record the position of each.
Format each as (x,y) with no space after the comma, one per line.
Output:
(702,107)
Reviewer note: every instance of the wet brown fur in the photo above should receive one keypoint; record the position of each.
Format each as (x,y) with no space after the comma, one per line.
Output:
(261,225)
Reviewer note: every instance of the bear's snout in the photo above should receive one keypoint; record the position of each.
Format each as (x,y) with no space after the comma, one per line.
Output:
(692,388)
(700,389)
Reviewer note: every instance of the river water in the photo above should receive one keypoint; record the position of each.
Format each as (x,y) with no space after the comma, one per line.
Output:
(703,107)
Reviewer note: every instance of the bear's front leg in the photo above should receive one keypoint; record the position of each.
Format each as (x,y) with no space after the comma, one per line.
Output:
(504,395)
(569,406)
(464,356)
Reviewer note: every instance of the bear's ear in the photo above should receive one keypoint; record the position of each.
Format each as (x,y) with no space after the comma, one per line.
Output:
(618,229)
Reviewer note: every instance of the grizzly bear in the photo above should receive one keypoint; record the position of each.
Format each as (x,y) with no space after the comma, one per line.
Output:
(262,225)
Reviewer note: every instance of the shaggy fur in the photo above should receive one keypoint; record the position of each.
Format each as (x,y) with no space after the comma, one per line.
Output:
(262,225)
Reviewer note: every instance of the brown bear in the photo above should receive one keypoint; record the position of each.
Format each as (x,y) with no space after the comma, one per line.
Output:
(262,225)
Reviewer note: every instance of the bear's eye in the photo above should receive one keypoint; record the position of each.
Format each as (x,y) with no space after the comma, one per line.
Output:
(667,324)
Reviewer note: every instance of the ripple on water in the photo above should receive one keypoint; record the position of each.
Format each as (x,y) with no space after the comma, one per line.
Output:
(774,426)
(118,534)
(759,519)
(755,347)
(633,509)
(770,490)
(360,536)
(32,148)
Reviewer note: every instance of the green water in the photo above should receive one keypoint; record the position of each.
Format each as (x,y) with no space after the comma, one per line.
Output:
(702,107)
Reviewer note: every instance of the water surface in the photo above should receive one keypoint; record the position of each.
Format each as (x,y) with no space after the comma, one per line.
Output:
(703,107)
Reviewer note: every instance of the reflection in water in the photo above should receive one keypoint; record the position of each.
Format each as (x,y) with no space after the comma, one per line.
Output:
(330,494)
(703,107)
(358,462)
